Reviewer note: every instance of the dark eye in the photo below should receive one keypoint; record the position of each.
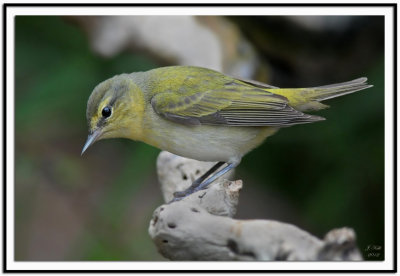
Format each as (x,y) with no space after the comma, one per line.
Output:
(106,112)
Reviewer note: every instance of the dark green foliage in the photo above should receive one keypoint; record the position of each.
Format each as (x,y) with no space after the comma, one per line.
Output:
(55,74)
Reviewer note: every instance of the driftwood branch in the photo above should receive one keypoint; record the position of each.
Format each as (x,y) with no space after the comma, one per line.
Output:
(201,227)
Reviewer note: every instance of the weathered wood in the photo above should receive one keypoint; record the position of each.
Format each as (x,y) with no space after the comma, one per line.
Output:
(201,227)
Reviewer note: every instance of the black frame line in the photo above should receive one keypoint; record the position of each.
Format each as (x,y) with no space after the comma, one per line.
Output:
(394,7)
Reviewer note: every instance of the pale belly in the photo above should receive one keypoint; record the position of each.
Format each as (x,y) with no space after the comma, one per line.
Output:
(205,143)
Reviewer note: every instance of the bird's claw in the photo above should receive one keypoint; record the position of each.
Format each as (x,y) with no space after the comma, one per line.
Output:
(182,194)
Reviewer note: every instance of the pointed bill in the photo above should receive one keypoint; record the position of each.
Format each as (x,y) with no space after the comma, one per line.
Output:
(91,139)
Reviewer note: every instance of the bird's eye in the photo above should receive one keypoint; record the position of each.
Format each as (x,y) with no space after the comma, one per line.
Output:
(106,112)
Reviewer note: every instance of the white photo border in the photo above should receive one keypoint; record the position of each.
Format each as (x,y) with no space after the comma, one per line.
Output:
(389,11)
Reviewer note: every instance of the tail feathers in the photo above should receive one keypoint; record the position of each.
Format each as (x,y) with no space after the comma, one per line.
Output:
(322,93)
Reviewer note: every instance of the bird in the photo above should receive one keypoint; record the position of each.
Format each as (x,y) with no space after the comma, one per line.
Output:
(202,114)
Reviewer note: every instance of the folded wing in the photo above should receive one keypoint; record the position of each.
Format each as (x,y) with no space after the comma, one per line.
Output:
(233,106)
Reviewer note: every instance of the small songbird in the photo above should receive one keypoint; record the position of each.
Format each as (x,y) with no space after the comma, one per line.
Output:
(201,114)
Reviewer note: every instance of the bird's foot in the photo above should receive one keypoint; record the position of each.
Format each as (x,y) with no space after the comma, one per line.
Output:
(182,194)
(202,182)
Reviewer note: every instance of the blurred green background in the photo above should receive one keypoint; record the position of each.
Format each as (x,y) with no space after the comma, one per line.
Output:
(97,207)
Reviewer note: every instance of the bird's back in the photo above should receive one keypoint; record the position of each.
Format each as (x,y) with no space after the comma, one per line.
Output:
(189,80)
(184,80)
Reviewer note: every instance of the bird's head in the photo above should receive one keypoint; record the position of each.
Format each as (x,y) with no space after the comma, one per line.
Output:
(114,110)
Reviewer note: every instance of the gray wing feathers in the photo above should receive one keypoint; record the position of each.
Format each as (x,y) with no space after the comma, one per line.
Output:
(271,114)
(249,107)
(257,83)
(286,116)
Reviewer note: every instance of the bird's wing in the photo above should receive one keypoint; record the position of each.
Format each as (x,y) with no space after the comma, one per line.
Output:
(233,106)
(257,84)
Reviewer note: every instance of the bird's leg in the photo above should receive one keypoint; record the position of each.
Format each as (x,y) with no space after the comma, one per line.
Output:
(216,175)
(198,181)
(202,182)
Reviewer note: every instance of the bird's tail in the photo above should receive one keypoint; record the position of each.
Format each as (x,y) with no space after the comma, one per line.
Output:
(322,93)
(308,99)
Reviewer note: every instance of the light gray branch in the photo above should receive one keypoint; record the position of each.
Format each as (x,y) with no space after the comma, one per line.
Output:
(201,227)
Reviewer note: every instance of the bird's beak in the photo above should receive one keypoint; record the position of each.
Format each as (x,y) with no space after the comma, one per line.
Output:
(91,139)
